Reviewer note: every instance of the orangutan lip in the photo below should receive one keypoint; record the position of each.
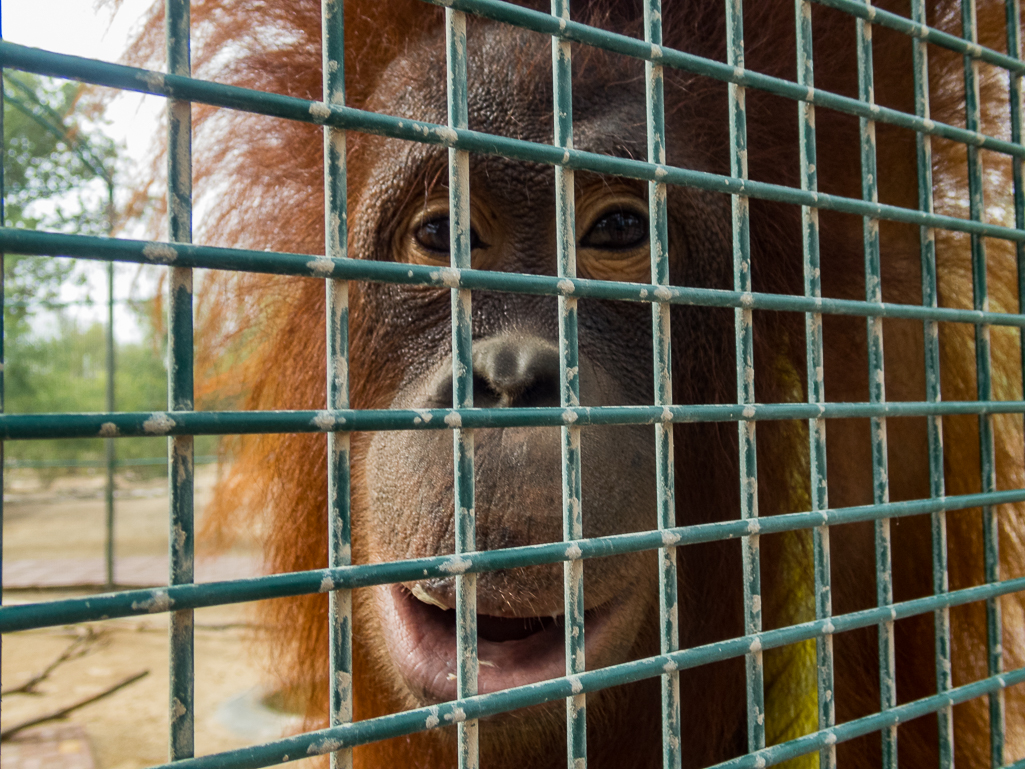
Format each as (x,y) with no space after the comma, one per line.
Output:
(512,651)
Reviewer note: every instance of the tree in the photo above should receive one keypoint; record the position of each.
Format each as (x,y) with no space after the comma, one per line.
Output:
(58,168)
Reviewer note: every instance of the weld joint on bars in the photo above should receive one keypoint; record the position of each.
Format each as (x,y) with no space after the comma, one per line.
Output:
(348,118)
(198,595)
(480,706)
(628,46)
(856,8)
(926,33)
(278,263)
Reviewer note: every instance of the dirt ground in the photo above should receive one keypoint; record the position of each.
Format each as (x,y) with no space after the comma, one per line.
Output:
(127,729)
(65,518)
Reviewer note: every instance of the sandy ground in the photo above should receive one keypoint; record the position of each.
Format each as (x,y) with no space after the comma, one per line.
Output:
(127,729)
(65,519)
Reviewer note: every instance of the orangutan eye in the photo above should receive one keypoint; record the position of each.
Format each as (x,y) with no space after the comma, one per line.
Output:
(618,230)
(433,235)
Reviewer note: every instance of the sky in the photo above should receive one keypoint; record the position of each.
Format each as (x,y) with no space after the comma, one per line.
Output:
(80,28)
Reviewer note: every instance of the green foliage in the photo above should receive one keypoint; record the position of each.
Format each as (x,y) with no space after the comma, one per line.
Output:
(52,149)
(67,372)
(56,167)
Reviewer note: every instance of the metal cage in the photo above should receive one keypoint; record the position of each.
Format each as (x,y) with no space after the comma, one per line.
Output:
(181,422)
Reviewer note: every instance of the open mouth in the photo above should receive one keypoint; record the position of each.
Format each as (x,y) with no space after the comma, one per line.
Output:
(512,651)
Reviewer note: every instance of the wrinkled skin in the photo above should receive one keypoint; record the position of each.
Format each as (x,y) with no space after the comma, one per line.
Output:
(516,363)
(518,470)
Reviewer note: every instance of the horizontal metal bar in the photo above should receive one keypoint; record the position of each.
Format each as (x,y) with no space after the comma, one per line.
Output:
(305,265)
(162,599)
(163,423)
(481,706)
(348,118)
(929,34)
(698,65)
(874,723)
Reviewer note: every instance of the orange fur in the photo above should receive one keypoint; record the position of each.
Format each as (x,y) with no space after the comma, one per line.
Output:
(273,331)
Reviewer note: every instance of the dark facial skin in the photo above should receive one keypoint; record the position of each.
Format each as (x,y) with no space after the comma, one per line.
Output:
(401,491)
(403,213)
(518,470)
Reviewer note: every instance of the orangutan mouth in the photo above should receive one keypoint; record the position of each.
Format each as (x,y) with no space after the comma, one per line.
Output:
(512,651)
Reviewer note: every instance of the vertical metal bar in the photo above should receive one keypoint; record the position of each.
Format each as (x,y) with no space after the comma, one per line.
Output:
(180,386)
(815,380)
(744,341)
(108,556)
(569,393)
(337,325)
(1013,11)
(462,380)
(934,424)
(877,390)
(990,522)
(669,610)
(110,447)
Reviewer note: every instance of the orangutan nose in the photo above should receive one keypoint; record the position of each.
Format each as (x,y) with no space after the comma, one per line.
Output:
(520,371)
(510,370)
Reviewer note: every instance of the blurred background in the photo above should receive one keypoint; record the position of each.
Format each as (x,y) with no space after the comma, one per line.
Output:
(83,516)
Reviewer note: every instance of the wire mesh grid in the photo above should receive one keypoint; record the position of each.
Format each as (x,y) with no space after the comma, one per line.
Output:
(181,422)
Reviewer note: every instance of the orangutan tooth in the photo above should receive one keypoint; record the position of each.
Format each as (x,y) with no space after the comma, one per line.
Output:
(424,596)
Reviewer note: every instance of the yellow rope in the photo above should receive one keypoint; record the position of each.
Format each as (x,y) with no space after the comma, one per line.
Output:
(791,695)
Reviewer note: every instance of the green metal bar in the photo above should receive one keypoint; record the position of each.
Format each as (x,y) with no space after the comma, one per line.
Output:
(818,486)
(934,424)
(877,392)
(215,94)
(180,388)
(462,385)
(337,367)
(665,483)
(143,252)
(569,393)
(983,374)
(877,722)
(134,424)
(743,300)
(157,600)
(599,38)
(110,451)
(575,32)
(1014,49)
(1013,9)
(407,722)
(109,448)
(744,345)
